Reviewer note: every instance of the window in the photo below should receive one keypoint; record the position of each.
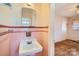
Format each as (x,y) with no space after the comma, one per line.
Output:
(64,25)
(75,26)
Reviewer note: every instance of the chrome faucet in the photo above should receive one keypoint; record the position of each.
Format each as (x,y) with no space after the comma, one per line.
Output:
(28,36)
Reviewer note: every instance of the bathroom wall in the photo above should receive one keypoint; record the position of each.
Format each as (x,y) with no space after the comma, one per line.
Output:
(8,16)
(4,45)
(5,16)
(42,14)
(59,33)
(42,19)
(5,19)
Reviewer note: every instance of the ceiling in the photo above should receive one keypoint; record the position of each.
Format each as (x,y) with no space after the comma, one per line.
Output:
(66,9)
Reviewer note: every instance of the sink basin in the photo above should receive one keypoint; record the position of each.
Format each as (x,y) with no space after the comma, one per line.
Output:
(29,49)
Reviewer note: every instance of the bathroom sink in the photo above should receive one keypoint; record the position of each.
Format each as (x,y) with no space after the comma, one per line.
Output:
(29,49)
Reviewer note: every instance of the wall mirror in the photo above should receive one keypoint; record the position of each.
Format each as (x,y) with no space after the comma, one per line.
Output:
(28,16)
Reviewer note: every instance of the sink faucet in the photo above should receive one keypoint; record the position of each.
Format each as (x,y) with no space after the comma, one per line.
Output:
(28,34)
(29,39)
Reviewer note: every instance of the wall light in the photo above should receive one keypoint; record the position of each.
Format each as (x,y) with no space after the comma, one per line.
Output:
(77,10)
(28,4)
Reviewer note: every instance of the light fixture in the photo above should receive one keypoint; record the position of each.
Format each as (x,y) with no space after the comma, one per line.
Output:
(8,4)
(77,10)
(28,4)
